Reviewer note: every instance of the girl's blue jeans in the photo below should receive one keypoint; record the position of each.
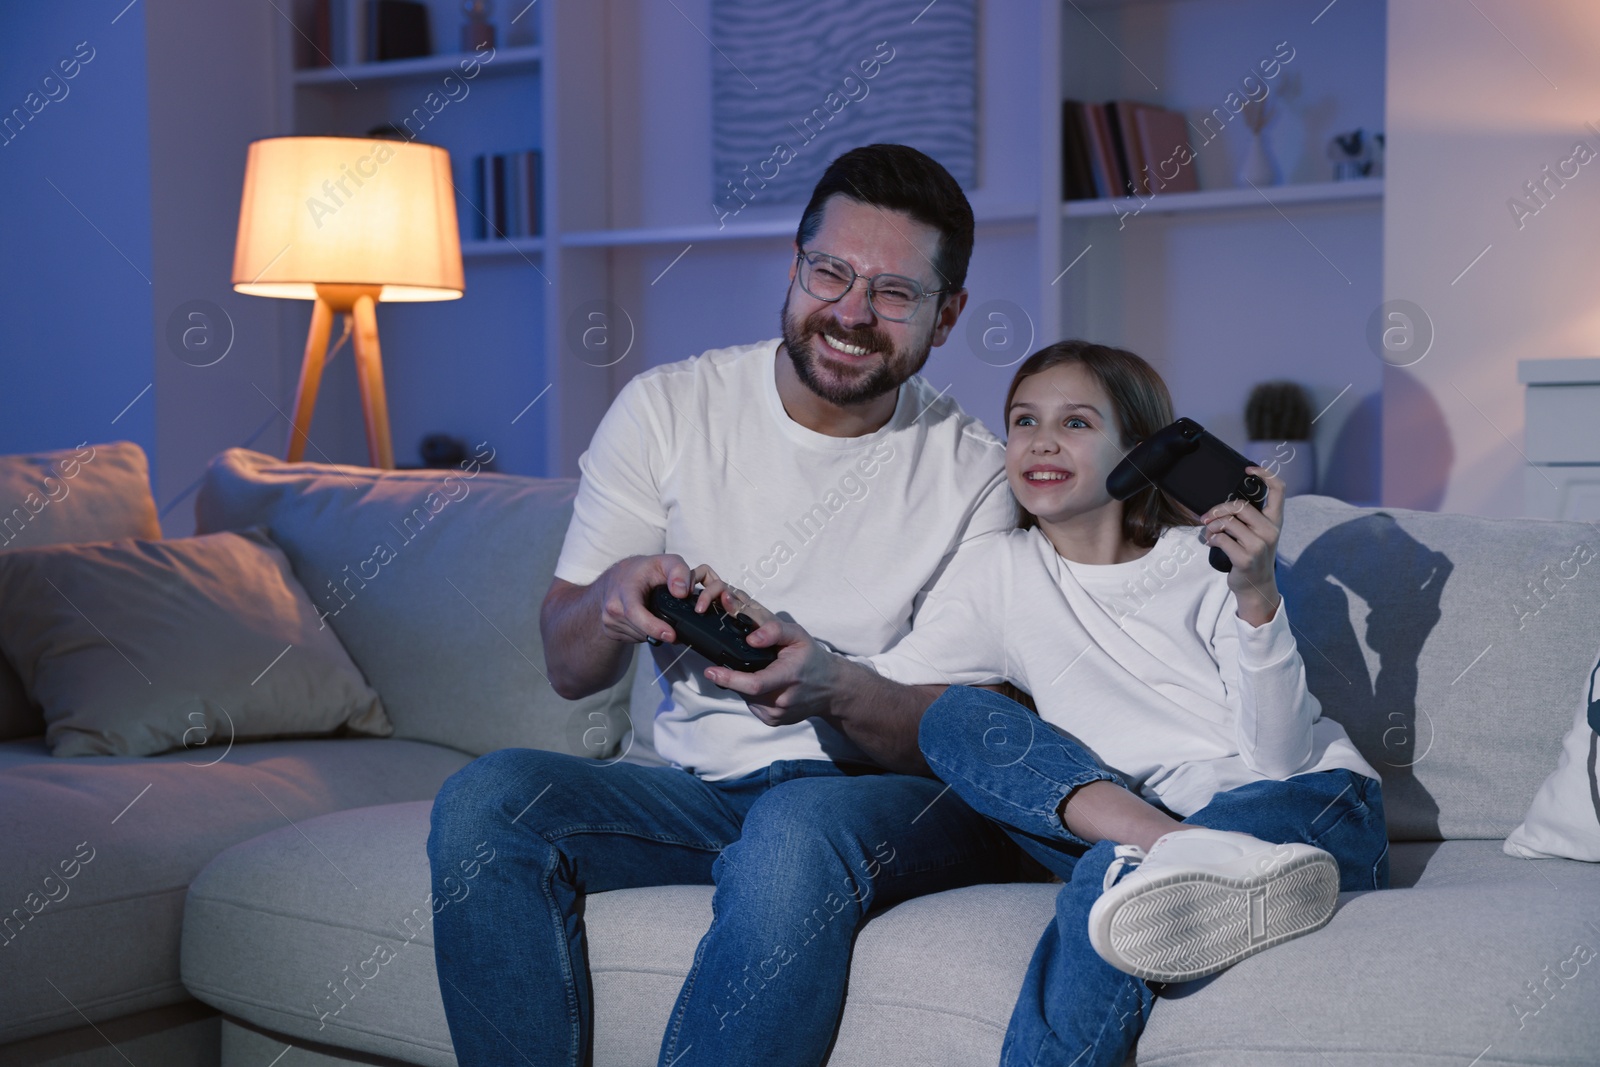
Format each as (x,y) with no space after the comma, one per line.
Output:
(1007,763)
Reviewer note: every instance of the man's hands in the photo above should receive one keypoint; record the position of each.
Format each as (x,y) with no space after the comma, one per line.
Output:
(1250,539)
(623,614)
(801,684)
(808,681)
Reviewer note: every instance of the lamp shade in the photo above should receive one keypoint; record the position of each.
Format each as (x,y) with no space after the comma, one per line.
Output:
(347,211)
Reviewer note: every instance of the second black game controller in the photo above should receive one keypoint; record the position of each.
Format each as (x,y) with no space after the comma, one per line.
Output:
(1194,467)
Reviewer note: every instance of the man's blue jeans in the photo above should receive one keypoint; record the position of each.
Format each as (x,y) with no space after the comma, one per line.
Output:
(1012,766)
(799,852)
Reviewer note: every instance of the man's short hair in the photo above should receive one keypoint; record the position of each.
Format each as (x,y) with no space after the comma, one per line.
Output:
(900,178)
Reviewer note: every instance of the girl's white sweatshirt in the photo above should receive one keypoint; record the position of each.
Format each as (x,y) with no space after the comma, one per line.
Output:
(1145,663)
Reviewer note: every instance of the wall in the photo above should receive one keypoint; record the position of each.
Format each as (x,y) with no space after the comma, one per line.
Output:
(209,96)
(123,201)
(1481,98)
(76,355)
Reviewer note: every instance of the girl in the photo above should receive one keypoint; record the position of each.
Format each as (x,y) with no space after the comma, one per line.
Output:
(1182,781)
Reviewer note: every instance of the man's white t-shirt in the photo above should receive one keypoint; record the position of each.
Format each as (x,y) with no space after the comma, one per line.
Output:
(1144,663)
(843,535)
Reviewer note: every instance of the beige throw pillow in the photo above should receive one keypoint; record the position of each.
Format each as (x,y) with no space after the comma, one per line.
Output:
(89,493)
(138,647)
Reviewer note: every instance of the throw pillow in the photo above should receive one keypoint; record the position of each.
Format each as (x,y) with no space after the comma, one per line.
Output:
(89,493)
(433,580)
(1564,818)
(137,647)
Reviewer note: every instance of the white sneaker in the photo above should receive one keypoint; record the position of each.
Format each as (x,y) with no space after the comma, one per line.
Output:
(1202,900)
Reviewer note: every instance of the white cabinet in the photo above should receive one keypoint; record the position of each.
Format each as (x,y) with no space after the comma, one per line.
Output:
(1562,399)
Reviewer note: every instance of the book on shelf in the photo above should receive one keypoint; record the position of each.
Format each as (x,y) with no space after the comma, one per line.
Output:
(505,196)
(396,29)
(313,37)
(1102,153)
(1124,148)
(1164,140)
(1077,174)
(339,48)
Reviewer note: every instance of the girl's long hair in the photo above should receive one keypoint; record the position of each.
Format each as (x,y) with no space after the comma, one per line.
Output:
(1140,405)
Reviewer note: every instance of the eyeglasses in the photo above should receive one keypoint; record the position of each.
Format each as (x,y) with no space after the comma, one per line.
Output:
(891,296)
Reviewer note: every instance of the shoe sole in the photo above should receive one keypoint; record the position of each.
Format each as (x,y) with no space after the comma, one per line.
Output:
(1187,925)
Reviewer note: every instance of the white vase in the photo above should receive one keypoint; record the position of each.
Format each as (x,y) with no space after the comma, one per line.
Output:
(1293,461)
(1258,167)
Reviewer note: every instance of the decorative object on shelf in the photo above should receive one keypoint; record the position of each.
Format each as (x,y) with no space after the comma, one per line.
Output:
(476,29)
(1278,419)
(441,451)
(795,85)
(397,29)
(347,222)
(506,194)
(1258,167)
(1355,155)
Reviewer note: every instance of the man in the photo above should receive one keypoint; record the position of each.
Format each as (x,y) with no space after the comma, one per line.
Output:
(820,471)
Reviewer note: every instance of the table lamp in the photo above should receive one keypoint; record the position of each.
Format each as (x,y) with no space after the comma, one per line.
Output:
(347,222)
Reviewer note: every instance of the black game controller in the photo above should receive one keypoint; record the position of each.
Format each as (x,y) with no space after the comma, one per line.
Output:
(1195,468)
(715,634)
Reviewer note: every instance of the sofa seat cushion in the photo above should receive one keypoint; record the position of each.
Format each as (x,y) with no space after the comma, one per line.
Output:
(268,936)
(99,852)
(274,936)
(1440,970)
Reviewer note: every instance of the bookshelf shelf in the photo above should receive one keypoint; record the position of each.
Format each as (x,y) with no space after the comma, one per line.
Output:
(1229,199)
(510,246)
(747,231)
(505,61)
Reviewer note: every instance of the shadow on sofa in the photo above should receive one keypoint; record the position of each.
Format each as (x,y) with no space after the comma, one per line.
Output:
(1372,563)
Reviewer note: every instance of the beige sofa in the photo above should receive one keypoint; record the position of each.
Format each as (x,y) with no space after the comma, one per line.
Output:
(221,928)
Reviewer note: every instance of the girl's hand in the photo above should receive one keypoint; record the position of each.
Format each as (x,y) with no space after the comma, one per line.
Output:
(1250,539)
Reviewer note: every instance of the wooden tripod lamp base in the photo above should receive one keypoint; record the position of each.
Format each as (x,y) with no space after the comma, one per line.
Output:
(361,302)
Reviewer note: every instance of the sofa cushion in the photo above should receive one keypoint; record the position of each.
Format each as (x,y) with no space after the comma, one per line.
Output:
(89,493)
(433,580)
(932,980)
(99,853)
(1449,646)
(305,934)
(139,647)
(1442,972)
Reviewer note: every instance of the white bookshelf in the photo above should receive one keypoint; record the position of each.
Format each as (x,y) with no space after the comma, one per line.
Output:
(616,96)
(451,366)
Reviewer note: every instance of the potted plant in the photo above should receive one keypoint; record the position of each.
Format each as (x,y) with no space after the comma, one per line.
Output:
(1278,419)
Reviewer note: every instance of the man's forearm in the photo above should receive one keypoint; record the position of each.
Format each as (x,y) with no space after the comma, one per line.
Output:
(880,716)
(580,657)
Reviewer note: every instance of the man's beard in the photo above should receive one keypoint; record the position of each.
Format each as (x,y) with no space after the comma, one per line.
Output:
(843,384)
